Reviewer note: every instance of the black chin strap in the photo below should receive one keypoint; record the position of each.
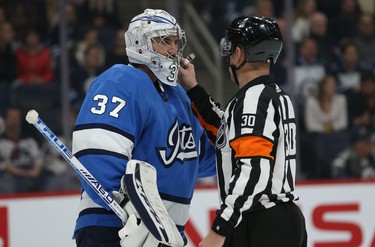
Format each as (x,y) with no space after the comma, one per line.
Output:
(234,68)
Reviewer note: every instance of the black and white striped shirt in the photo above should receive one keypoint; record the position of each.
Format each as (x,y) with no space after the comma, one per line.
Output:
(256,148)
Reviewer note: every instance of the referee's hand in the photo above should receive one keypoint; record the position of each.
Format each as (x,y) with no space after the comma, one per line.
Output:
(186,76)
(212,240)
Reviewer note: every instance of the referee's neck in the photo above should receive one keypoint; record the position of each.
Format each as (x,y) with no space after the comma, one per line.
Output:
(250,73)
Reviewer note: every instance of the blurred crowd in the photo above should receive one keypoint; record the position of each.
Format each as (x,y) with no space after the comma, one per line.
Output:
(30,72)
(333,86)
(333,78)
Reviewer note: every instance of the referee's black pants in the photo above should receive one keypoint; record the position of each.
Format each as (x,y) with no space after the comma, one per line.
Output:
(280,226)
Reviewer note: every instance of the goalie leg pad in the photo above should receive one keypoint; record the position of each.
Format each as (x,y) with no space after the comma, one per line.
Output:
(140,180)
(151,241)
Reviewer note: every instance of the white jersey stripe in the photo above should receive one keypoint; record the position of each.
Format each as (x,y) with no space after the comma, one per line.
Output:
(101,139)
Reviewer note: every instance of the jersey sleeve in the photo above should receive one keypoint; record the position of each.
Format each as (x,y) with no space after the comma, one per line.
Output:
(207,111)
(207,167)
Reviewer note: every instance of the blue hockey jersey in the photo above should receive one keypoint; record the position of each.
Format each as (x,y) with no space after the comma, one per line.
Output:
(124,117)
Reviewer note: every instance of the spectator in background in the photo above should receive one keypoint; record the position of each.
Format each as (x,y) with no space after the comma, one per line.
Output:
(326,124)
(59,176)
(73,27)
(263,8)
(90,37)
(365,39)
(357,161)
(301,24)
(348,68)
(8,60)
(8,63)
(83,75)
(343,26)
(101,12)
(214,12)
(331,7)
(9,34)
(327,111)
(309,70)
(2,125)
(26,14)
(327,50)
(34,60)
(361,103)
(74,30)
(117,54)
(20,158)
(102,16)
(237,8)
(3,15)
(366,6)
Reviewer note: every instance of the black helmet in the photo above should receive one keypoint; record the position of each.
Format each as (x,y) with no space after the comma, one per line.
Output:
(260,36)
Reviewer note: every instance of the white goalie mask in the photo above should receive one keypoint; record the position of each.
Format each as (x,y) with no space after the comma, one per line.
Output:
(155,25)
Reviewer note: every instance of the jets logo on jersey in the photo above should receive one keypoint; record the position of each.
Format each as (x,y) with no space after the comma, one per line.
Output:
(181,145)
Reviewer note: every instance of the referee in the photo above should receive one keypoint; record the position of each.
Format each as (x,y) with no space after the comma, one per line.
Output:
(255,143)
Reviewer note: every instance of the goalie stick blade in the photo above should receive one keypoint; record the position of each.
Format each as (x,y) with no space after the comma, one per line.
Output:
(140,180)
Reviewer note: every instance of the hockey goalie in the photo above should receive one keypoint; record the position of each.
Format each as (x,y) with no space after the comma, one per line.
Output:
(140,112)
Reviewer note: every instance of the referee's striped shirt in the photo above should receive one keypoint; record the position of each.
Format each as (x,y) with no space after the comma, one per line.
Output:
(256,148)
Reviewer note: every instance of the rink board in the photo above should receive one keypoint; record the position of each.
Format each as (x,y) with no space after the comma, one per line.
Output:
(337,214)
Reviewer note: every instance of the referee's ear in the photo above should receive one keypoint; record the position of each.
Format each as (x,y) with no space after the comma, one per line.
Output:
(238,56)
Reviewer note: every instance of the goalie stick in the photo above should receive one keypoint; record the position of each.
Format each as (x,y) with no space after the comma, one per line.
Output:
(32,117)
(141,187)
